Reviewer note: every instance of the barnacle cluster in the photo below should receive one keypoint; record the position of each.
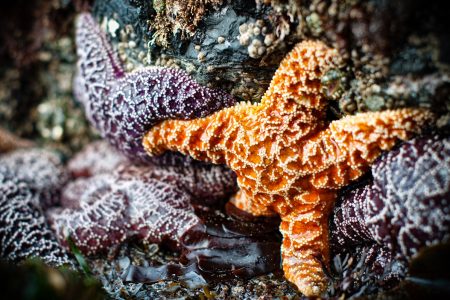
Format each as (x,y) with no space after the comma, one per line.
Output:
(176,15)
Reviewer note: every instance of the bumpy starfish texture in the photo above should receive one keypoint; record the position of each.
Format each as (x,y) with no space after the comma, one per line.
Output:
(404,208)
(95,158)
(148,203)
(122,106)
(288,160)
(202,181)
(24,232)
(41,169)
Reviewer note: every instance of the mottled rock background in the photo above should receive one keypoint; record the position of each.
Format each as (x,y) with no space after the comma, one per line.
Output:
(397,53)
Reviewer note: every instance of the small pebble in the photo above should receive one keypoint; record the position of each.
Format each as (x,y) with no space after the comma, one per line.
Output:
(244,39)
(201,56)
(243,28)
(261,50)
(268,39)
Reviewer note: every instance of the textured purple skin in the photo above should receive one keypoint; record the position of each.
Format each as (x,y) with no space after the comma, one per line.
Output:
(147,203)
(24,232)
(403,209)
(95,218)
(123,106)
(41,169)
(95,158)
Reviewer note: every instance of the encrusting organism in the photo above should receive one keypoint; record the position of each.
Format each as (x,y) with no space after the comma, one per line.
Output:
(403,209)
(25,182)
(122,106)
(287,158)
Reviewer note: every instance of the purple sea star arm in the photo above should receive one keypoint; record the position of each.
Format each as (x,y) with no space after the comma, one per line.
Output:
(404,208)
(95,158)
(349,227)
(97,68)
(202,181)
(159,212)
(208,183)
(146,97)
(23,229)
(41,169)
(123,106)
(410,205)
(106,209)
(94,218)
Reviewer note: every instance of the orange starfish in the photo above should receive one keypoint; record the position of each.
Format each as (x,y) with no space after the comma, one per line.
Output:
(287,158)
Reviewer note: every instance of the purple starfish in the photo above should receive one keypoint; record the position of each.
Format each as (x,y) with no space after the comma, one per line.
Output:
(156,204)
(123,106)
(150,203)
(95,158)
(95,218)
(41,169)
(403,209)
(26,180)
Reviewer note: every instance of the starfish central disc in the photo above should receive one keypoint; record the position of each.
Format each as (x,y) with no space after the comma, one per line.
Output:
(288,159)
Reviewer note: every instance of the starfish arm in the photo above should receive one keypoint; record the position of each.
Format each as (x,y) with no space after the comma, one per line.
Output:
(98,62)
(168,93)
(248,204)
(299,76)
(210,139)
(348,223)
(214,182)
(29,180)
(305,248)
(354,142)
(98,67)
(150,95)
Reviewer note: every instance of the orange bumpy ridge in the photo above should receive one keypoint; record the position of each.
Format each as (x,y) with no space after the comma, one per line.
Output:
(287,158)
